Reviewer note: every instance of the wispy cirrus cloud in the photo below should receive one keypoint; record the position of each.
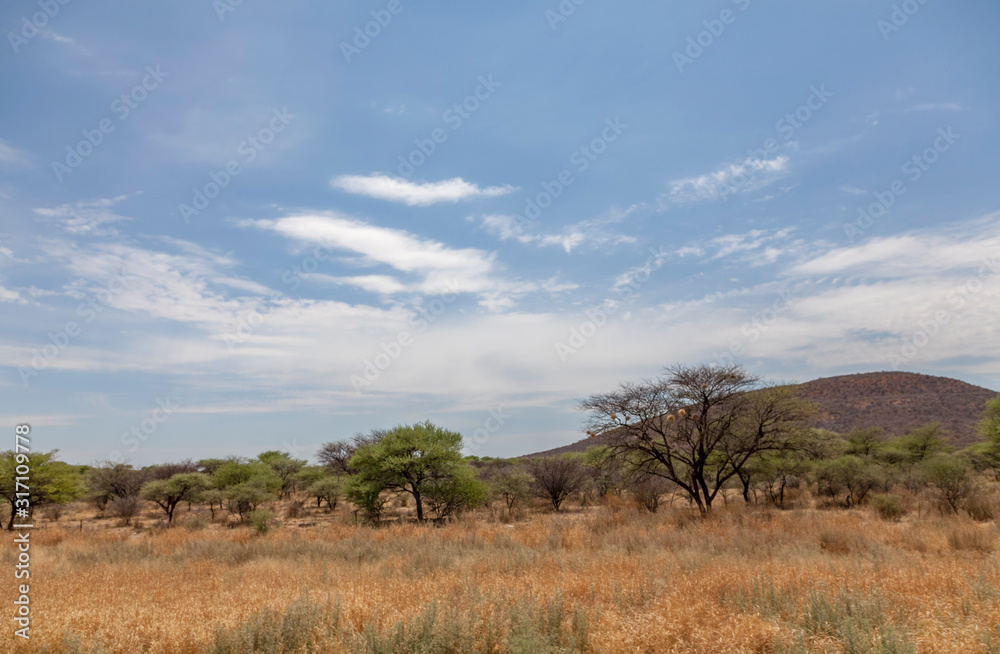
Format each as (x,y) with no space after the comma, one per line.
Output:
(749,175)
(593,232)
(397,189)
(87,217)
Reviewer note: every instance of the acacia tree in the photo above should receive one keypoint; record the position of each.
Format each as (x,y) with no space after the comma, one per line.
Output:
(49,481)
(285,467)
(414,459)
(168,493)
(696,426)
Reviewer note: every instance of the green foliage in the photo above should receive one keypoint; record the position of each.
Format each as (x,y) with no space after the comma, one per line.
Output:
(168,493)
(865,443)
(261,520)
(411,459)
(50,481)
(233,473)
(449,495)
(990,426)
(246,496)
(951,478)
(850,477)
(327,489)
(512,483)
(284,467)
(889,507)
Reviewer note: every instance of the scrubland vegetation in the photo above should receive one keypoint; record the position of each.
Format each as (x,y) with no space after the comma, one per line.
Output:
(706,518)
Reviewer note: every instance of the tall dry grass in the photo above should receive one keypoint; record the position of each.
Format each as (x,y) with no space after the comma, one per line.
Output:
(608,579)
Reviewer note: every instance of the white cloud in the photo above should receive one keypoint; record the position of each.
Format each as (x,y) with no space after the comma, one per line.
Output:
(593,232)
(86,218)
(744,177)
(440,268)
(397,189)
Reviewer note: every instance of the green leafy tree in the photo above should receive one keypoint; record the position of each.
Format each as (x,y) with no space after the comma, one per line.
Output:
(284,467)
(512,483)
(49,481)
(951,478)
(409,459)
(246,496)
(850,476)
(450,495)
(328,489)
(985,455)
(168,493)
(232,473)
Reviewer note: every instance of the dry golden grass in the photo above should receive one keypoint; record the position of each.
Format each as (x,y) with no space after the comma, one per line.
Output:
(607,579)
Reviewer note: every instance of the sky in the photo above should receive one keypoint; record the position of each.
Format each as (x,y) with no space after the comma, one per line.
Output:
(229,227)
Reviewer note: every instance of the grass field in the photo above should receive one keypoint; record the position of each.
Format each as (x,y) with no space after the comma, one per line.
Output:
(602,579)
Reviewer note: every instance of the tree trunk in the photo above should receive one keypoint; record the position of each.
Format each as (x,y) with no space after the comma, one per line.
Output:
(420,505)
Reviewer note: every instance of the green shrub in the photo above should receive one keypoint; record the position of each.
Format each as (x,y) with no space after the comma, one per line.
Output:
(261,519)
(888,506)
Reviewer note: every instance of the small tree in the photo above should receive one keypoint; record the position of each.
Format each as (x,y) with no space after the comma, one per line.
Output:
(408,459)
(951,478)
(246,496)
(108,481)
(125,508)
(168,493)
(50,481)
(850,475)
(648,490)
(557,477)
(328,489)
(511,482)
(284,467)
(450,495)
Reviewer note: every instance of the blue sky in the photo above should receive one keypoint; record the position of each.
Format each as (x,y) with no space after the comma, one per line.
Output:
(228,228)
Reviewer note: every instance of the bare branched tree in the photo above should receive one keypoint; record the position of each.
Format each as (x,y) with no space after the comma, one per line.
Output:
(696,426)
(557,477)
(336,454)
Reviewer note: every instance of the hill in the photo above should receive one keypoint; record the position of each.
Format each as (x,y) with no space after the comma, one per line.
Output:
(895,401)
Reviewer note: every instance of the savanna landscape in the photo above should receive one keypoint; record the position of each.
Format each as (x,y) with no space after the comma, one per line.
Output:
(395,542)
